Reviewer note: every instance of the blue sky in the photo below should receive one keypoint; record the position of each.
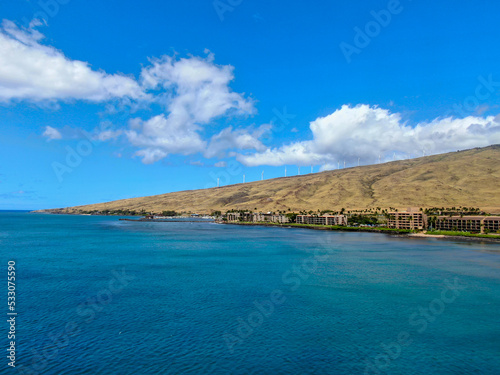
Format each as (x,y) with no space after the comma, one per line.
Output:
(109,100)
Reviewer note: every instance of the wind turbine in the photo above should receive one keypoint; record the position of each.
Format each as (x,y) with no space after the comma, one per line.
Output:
(344,164)
(379,157)
(285,171)
(299,170)
(243,178)
(338,165)
(217,181)
(262,176)
(311,169)
(394,157)
(358,162)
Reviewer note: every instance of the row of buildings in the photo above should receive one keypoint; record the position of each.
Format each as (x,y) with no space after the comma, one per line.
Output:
(257,217)
(415,219)
(279,218)
(411,219)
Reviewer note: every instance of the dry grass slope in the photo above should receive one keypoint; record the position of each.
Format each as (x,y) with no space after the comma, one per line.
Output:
(467,178)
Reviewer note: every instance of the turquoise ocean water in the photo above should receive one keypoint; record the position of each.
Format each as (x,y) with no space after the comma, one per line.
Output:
(96,295)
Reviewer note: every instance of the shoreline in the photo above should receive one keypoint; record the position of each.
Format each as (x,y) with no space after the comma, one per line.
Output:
(451,237)
(321,227)
(387,231)
(188,220)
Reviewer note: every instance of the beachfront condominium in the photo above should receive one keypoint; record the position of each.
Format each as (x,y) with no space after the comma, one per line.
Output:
(472,224)
(322,219)
(411,219)
(270,217)
(239,216)
(257,217)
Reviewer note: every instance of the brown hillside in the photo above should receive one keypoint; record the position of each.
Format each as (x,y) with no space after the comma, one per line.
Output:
(467,178)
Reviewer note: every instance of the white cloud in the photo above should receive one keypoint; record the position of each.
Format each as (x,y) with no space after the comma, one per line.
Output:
(201,88)
(195,92)
(51,133)
(160,136)
(241,139)
(150,156)
(106,135)
(220,164)
(32,71)
(366,132)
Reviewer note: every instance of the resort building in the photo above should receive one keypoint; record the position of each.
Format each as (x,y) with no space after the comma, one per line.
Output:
(263,217)
(246,216)
(412,218)
(260,217)
(233,216)
(256,217)
(491,224)
(281,219)
(239,216)
(322,220)
(473,224)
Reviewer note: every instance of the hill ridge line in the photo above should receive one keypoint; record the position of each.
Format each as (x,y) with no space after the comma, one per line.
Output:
(436,180)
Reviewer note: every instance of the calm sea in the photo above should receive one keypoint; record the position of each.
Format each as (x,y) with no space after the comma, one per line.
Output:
(95,295)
